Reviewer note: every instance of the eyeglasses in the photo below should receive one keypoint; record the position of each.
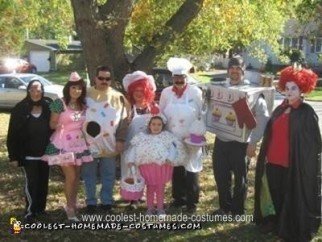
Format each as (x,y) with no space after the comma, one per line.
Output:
(101,78)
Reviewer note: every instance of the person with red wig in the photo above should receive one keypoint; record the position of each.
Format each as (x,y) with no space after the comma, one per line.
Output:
(140,89)
(288,170)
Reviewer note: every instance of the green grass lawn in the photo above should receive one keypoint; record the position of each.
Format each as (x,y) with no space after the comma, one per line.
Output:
(12,205)
(316,95)
(204,77)
(12,202)
(61,77)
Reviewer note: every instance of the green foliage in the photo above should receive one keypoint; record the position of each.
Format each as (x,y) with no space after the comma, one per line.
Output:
(315,95)
(220,26)
(11,25)
(294,55)
(49,19)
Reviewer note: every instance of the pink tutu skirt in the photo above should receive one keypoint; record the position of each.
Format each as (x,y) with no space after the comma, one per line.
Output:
(155,174)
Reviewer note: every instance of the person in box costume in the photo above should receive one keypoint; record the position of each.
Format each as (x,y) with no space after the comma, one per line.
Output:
(231,157)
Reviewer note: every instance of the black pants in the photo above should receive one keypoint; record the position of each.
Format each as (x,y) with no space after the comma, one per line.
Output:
(276,178)
(230,158)
(185,187)
(36,188)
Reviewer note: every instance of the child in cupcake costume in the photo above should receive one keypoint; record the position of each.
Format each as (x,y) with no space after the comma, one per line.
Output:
(67,118)
(155,153)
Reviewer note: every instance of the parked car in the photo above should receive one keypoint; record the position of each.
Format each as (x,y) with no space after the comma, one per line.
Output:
(163,79)
(9,65)
(13,88)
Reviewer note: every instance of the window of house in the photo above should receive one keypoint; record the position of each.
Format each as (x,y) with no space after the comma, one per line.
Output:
(293,43)
(318,45)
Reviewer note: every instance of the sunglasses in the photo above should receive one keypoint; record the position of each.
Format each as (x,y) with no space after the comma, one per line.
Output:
(101,78)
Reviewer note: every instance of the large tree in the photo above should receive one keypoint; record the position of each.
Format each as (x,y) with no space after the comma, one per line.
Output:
(101,26)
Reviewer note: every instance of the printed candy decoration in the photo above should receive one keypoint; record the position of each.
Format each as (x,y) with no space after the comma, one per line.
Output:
(103,114)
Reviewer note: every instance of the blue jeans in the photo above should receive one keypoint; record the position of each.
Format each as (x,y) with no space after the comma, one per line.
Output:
(106,167)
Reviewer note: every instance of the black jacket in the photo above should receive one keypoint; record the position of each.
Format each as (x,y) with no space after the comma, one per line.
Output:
(17,137)
(301,212)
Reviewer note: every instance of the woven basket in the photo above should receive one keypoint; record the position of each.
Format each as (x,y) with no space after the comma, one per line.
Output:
(130,190)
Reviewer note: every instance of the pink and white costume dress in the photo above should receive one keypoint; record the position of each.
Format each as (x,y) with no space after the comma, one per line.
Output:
(68,137)
(150,152)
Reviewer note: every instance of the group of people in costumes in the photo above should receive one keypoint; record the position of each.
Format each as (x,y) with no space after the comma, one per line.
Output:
(164,142)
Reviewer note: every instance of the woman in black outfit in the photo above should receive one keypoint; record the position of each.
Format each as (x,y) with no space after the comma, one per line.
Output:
(28,136)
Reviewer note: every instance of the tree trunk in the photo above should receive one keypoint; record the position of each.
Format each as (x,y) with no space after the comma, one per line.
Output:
(102,28)
(173,28)
(101,31)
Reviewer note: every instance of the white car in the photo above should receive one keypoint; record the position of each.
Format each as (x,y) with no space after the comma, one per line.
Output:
(13,88)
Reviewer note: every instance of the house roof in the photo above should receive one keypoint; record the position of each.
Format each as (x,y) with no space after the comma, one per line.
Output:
(54,44)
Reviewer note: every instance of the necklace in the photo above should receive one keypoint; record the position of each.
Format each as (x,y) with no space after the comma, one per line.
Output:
(72,105)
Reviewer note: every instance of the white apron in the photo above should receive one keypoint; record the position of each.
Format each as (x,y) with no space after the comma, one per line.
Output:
(180,116)
(138,124)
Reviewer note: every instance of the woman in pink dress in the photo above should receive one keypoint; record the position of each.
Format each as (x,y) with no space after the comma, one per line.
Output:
(67,118)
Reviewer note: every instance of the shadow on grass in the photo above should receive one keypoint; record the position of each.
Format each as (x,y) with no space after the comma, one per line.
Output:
(207,231)
(12,205)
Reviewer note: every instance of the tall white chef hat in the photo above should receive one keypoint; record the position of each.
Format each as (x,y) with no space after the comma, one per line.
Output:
(179,66)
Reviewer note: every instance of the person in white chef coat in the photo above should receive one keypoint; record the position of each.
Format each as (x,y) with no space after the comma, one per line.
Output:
(181,103)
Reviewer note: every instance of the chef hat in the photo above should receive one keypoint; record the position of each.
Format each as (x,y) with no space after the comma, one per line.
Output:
(179,66)
(137,76)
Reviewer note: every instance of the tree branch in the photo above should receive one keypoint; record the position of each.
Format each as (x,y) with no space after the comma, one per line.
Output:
(173,27)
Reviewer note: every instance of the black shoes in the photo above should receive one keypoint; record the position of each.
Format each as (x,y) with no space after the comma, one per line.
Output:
(30,218)
(90,209)
(190,209)
(106,207)
(220,212)
(177,204)
(268,227)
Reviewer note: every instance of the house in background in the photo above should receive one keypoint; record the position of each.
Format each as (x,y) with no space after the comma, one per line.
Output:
(47,55)
(306,38)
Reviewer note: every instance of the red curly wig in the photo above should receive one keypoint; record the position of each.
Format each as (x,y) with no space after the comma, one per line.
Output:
(304,78)
(147,91)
